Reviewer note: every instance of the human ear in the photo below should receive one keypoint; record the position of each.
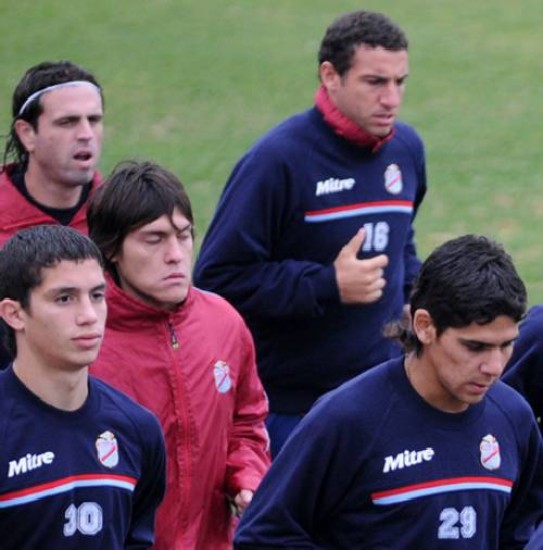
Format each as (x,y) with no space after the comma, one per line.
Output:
(26,134)
(424,327)
(329,76)
(12,313)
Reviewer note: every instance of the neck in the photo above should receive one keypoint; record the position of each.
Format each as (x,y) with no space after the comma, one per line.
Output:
(64,390)
(423,380)
(51,193)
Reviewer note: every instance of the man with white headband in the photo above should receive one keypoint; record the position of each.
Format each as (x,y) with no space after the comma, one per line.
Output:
(55,142)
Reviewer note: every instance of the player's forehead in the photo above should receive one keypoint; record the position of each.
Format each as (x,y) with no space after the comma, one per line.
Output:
(166,224)
(71,100)
(500,330)
(83,275)
(378,61)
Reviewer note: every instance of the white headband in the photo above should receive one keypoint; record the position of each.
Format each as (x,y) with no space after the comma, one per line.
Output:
(39,93)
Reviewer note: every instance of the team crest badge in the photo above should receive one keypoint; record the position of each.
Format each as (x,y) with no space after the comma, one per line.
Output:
(108,449)
(490,452)
(221,374)
(393,179)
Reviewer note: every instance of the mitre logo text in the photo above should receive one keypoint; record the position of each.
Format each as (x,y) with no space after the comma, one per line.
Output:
(29,462)
(333,185)
(407,459)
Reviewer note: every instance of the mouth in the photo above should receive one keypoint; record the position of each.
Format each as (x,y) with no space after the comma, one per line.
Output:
(88,340)
(84,157)
(385,118)
(478,389)
(174,277)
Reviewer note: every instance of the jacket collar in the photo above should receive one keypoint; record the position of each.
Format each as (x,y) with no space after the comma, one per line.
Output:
(127,312)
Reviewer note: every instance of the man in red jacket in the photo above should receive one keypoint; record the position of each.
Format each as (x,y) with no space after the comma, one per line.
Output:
(55,141)
(185,354)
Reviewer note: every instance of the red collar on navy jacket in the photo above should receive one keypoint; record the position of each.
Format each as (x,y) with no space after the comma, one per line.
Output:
(344,126)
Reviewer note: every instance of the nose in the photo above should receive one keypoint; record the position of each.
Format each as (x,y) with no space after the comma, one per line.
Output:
(87,313)
(494,362)
(392,95)
(84,130)
(174,250)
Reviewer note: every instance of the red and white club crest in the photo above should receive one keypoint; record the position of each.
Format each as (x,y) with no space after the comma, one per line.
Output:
(490,452)
(221,374)
(393,179)
(108,449)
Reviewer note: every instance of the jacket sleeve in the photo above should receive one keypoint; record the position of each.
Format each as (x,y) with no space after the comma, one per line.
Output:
(248,446)
(150,489)
(240,258)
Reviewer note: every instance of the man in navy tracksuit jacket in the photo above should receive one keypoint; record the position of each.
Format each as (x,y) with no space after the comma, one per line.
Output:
(429,450)
(312,240)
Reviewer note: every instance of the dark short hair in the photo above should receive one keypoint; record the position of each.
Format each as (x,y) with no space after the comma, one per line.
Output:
(351,30)
(37,78)
(24,257)
(470,279)
(135,194)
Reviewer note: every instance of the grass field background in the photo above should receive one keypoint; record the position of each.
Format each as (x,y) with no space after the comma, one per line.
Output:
(191,84)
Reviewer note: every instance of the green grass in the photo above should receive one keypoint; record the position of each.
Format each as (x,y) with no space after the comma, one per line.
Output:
(191,84)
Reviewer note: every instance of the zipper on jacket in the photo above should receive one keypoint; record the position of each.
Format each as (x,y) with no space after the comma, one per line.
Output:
(173,337)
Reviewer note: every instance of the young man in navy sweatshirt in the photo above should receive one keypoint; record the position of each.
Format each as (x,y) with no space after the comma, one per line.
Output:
(427,450)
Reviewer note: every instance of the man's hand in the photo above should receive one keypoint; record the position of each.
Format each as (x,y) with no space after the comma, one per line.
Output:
(242,500)
(359,281)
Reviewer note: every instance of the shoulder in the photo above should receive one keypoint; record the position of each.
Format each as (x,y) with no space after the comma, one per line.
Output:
(347,421)
(409,137)
(510,402)
(206,302)
(139,417)
(293,132)
(362,396)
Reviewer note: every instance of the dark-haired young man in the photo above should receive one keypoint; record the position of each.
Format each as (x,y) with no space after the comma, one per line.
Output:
(185,354)
(313,240)
(55,141)
(428,450)
(83,466)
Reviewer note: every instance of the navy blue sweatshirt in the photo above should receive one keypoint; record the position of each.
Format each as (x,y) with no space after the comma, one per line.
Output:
(86,479)
(373,465)
(291,203)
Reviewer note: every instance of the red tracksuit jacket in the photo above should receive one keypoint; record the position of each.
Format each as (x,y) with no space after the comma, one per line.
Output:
(195,369)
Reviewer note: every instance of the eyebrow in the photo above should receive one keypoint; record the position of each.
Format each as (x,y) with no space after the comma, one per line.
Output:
(385,77)
(72,289)
(187,227)
(469,341)
(74,116)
